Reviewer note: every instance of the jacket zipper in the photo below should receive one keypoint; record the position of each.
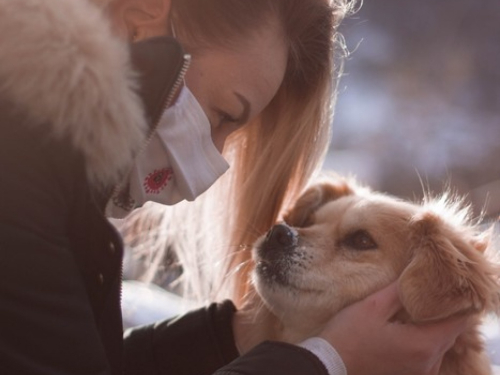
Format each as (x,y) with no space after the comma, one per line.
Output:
(186,61)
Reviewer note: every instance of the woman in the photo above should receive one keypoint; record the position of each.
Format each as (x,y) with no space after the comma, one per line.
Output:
(78,142)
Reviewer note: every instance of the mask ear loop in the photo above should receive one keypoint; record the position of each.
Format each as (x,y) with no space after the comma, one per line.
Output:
(172,29)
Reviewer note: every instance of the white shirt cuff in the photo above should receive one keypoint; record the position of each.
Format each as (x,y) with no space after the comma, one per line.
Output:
(326,354)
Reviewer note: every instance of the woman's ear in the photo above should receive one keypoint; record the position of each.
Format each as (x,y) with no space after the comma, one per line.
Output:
(314,197)
(448,273)
(143,18)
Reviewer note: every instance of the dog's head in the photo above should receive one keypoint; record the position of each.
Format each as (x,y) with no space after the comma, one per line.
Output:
(340,243)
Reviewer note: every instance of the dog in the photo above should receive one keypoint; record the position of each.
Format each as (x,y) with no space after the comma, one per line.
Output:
(341,242)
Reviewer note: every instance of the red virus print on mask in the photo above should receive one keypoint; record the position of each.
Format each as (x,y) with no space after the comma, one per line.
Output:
(157,180)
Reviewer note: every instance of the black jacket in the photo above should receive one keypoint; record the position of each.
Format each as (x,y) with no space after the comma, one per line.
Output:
(201,342)
(68,123)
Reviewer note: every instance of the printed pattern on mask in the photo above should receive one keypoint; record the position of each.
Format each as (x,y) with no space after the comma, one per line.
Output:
(157,180)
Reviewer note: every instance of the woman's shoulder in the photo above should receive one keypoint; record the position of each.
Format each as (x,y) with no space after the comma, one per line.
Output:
(64,68)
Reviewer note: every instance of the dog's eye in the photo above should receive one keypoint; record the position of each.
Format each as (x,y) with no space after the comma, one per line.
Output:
(360,240)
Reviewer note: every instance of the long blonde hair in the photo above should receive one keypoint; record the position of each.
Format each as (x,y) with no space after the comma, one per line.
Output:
(272,158)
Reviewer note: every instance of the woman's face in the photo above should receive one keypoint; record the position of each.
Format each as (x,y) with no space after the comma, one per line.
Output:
(233,85)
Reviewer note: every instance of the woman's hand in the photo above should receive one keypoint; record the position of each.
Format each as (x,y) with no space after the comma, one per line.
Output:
(370,343)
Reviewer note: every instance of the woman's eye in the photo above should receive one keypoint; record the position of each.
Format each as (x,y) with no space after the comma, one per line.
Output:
(226,118)
(360,240)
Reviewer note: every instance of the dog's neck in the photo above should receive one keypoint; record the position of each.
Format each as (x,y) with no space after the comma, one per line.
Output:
(255,323)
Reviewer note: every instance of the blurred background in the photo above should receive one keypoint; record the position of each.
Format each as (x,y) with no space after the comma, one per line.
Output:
(419,102)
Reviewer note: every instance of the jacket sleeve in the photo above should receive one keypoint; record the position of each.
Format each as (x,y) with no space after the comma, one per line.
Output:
(196,343)
(275,358)
(46,322)
(202,343)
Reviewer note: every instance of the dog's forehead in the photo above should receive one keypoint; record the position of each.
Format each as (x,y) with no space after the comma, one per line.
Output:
(367,208)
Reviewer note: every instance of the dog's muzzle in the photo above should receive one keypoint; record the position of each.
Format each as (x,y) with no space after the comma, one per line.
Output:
(277,254)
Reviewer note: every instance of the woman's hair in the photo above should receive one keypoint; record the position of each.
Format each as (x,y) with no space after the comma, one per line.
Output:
(273,157)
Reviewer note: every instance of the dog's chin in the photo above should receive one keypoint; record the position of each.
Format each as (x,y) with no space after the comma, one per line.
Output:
(280,285)
(274,287)
(272,275)
(300,311)
(273,284)
(277,276)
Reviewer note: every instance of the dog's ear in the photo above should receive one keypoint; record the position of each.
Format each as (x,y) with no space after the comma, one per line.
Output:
(314,197)
(448,273)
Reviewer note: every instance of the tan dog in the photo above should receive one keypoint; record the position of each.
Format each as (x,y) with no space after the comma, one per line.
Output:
(341,243)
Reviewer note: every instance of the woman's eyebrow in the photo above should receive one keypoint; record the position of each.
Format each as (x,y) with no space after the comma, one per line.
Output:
(245,114)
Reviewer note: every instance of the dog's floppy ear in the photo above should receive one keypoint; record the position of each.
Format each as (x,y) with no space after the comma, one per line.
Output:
(313,198)
(447,274)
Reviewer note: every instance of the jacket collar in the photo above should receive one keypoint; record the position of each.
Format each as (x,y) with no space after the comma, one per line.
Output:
(159,62)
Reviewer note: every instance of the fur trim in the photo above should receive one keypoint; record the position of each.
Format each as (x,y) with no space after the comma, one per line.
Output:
(60,61)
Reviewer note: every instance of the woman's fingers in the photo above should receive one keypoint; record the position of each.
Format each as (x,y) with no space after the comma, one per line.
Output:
(371,342)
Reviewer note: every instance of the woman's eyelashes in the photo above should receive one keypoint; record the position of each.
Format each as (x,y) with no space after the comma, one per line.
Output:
(224,117)
(226,120)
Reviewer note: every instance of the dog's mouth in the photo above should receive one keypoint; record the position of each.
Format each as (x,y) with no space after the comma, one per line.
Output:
(277,255)
(272,273)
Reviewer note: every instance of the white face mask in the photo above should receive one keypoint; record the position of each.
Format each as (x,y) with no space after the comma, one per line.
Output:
(180,161)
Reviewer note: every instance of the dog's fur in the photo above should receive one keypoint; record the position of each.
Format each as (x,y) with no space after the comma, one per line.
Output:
(341,242)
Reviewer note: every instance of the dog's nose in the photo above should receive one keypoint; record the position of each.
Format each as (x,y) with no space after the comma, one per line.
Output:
(280,235)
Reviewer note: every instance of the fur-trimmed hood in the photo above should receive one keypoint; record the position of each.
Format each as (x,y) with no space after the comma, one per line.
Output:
(61,63)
